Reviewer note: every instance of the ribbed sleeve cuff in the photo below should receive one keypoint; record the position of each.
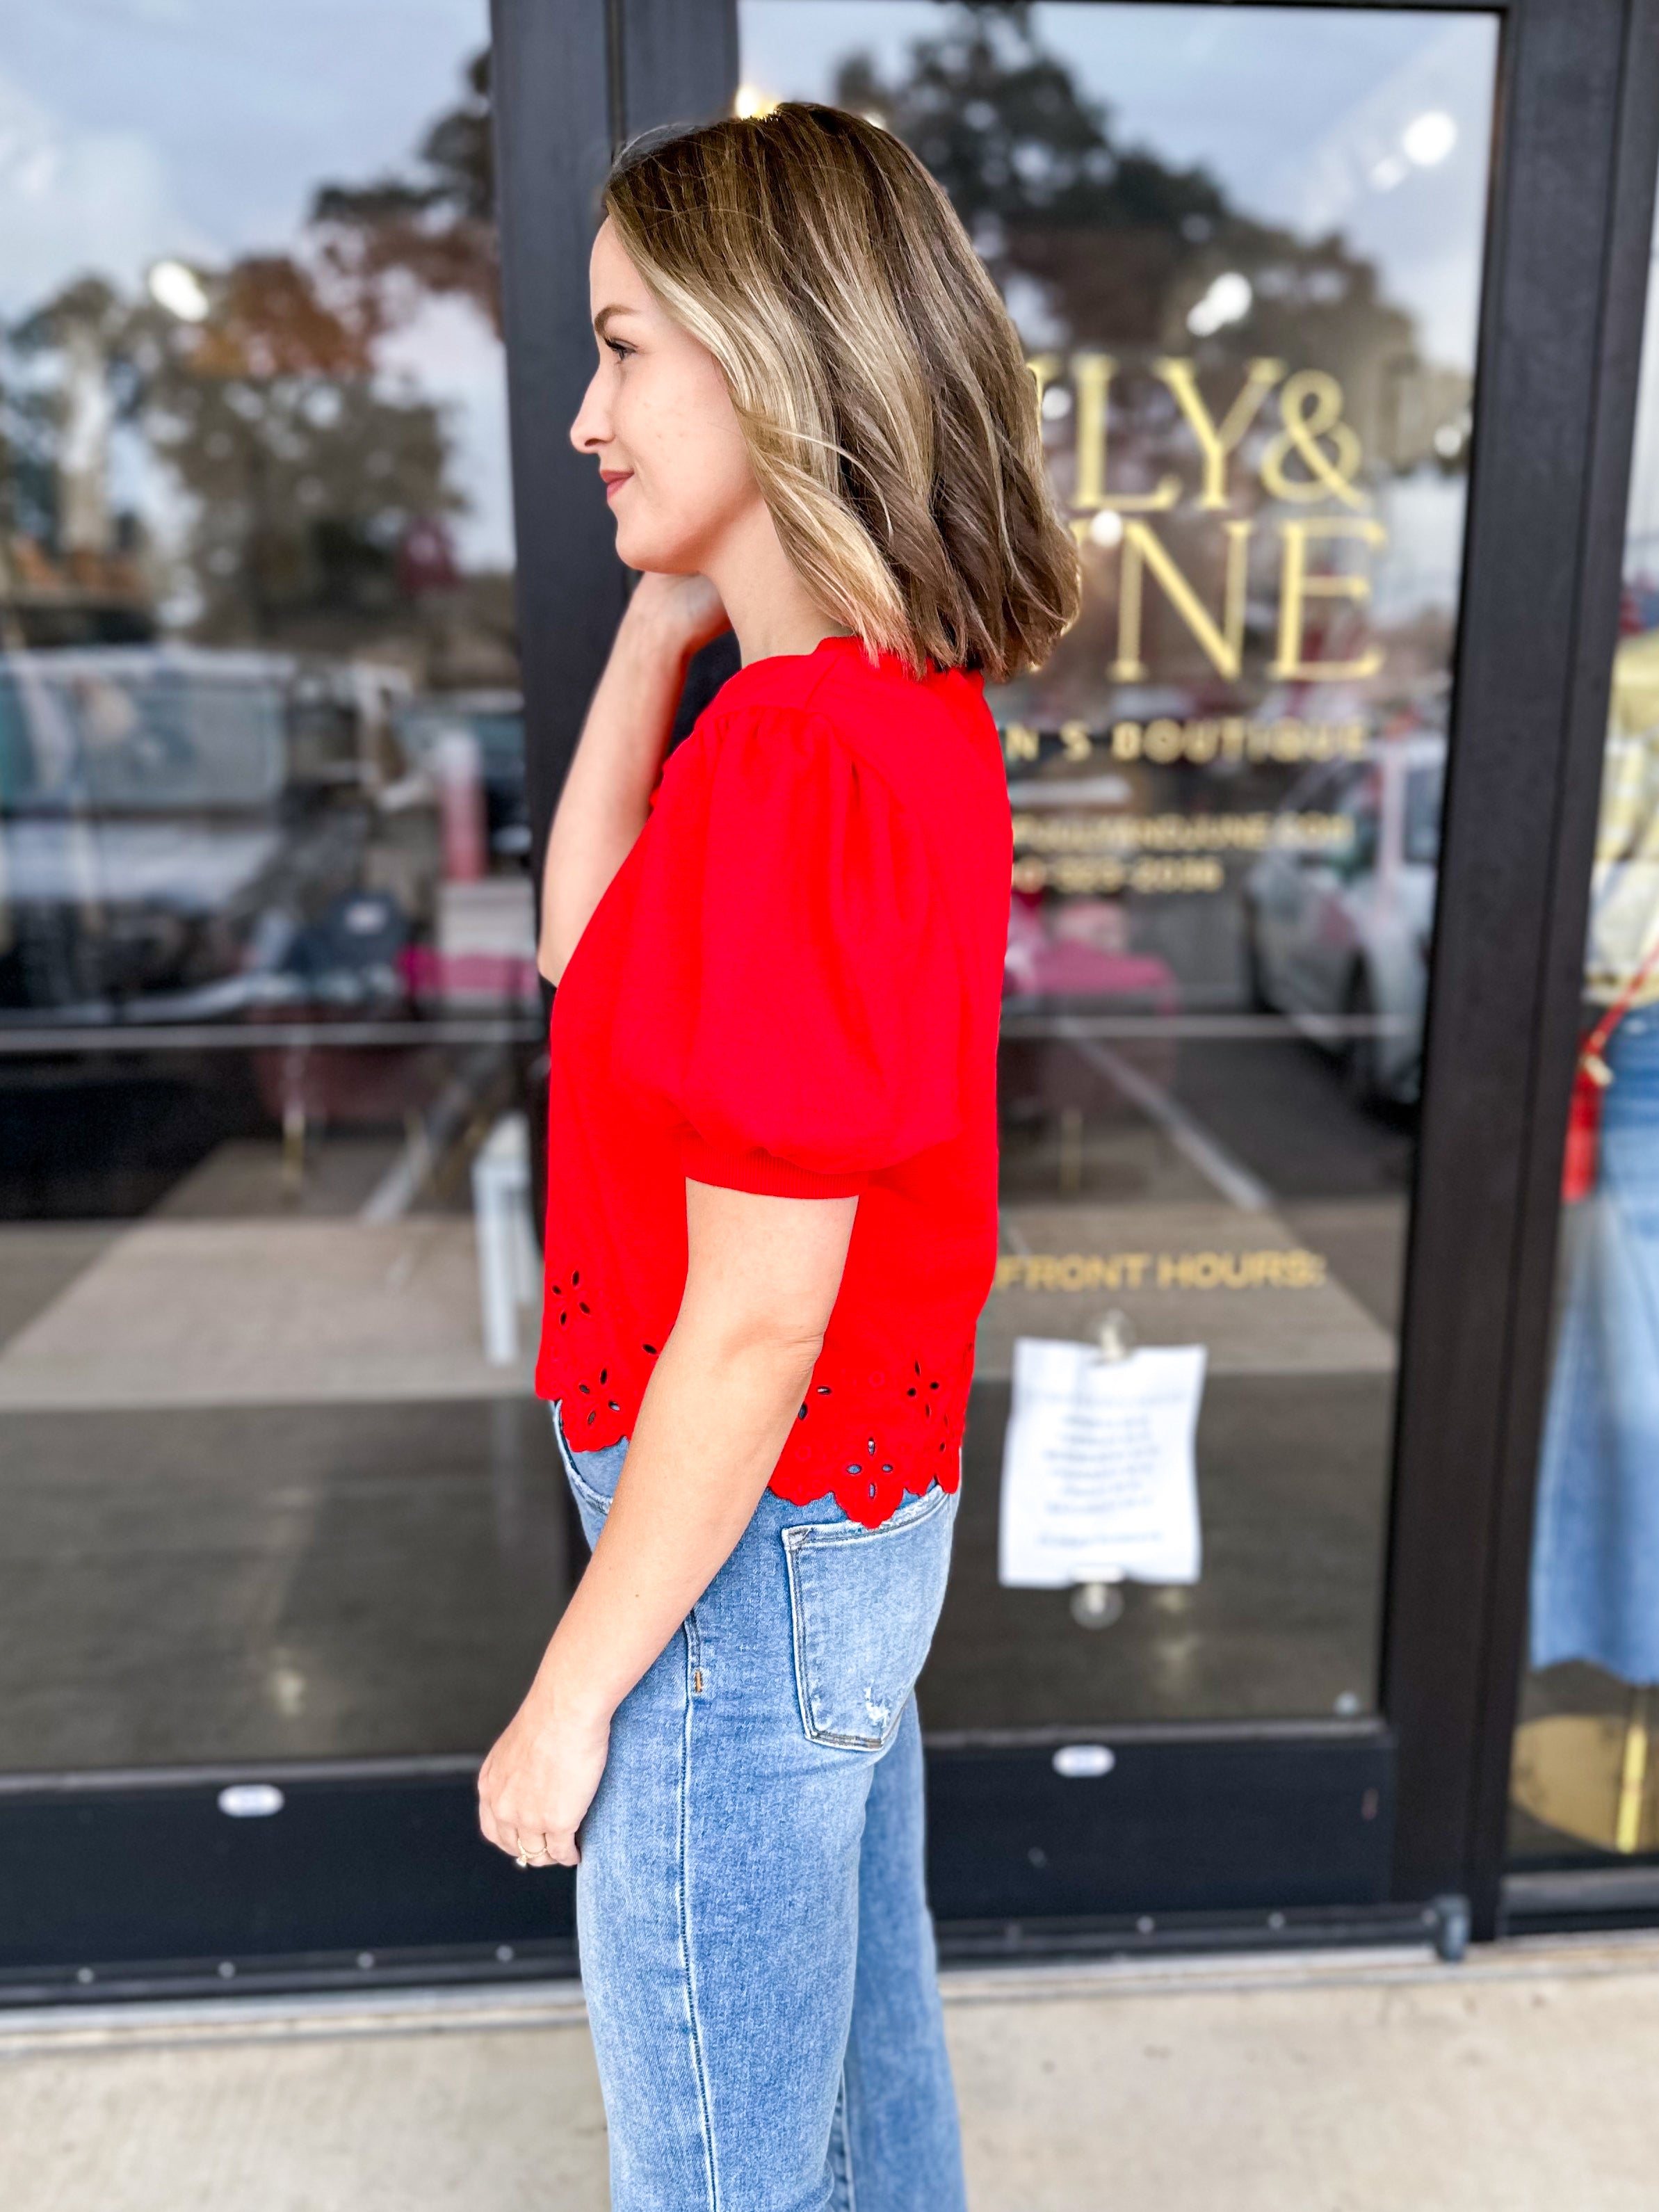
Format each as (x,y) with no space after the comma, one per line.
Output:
(761,1172)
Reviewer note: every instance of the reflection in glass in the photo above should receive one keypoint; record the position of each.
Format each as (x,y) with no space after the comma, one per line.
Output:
(234,567)
(1242,245)
(1586,1772)
(267,994)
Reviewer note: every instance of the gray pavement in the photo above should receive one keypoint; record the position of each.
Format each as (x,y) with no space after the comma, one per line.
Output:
(1523,2080)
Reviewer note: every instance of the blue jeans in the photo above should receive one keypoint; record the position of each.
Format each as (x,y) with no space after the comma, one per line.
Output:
(1595,1551)
(755,1944)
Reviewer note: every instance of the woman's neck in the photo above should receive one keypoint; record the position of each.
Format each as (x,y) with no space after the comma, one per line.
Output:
(771,610)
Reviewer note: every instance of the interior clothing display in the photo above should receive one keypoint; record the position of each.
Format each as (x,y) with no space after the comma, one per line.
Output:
(757,1951)
(1625,887)
(1595,1554)
(793,985)
(1595,1545)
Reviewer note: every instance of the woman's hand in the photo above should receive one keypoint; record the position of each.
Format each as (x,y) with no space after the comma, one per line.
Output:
(539,1780)
(629,721)
(678,614)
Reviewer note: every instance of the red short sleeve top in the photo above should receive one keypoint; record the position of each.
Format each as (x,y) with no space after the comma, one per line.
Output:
(793,985)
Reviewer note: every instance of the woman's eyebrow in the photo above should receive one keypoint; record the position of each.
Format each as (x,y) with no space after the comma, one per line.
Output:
(615,308)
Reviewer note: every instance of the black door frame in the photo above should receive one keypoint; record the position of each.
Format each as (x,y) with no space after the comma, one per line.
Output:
(138,1881)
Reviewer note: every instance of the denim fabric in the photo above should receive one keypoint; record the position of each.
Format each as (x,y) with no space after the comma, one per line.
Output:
(755,1944)
(1596,1555)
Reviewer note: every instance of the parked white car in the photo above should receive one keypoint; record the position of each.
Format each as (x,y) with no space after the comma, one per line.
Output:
(1339,938)
(183,832)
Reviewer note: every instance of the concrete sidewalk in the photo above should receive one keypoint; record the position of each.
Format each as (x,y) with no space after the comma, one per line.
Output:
(1525,2079)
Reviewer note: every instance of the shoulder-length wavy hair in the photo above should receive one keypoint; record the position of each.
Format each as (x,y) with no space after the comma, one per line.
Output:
(891,420)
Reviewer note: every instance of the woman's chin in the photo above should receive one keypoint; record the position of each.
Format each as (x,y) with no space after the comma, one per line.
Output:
(655,547)
(635,550)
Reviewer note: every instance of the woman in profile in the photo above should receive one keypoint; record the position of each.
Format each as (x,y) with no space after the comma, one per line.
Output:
(772,1212)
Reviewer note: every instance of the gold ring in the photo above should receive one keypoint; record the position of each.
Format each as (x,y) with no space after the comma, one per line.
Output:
(521,1860)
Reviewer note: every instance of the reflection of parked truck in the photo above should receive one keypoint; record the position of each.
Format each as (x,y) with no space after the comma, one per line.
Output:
(184,832)
(1339,936)
(494,721)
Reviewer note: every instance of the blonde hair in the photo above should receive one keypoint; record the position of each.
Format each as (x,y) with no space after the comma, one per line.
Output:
(891,420)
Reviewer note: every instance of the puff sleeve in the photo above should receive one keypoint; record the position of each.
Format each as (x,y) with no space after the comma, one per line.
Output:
(791,989)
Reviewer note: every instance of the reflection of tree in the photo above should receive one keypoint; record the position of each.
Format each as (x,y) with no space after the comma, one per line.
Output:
(307,482)
(319,485)
(30,421)
(1032,168)
(1099,244)
(306,474)
(1101,248)
(63,553)
(436,231)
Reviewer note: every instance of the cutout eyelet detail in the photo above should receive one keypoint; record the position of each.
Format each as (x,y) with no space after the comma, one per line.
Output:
(910,1420)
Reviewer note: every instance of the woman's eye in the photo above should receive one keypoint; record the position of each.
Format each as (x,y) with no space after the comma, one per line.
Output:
(619,350)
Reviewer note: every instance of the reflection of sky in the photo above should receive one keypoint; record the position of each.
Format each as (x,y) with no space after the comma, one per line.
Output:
(163,124)
(135,129)
(131,129)
(1297,112)
(1423,514)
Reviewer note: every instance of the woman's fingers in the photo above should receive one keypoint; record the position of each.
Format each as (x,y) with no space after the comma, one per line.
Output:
(535,1789)
(545,1846)
(551,1848)
(495,1827)
(543,1851)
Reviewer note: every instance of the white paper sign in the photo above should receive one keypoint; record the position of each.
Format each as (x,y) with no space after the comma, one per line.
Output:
(1098,1476)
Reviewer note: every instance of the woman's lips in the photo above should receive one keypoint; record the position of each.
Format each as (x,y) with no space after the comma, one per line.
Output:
(614,484)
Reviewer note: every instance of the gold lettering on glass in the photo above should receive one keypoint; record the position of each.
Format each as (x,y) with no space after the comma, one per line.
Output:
(1217,441)
(1092,391)
(1297,586)
(1222,645)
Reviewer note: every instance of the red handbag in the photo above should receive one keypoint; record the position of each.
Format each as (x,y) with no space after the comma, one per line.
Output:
(1590,1078)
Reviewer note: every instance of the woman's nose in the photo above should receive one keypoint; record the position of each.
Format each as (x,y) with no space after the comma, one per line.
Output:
(591,429)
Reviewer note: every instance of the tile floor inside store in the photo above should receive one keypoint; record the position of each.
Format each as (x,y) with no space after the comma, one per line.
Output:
(266,1461)
(250,1442)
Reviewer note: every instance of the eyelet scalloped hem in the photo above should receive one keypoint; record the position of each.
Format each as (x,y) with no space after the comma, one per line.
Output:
(869,1442)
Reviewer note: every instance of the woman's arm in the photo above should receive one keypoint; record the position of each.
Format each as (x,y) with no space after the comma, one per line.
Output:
(602,808)
(761,1278)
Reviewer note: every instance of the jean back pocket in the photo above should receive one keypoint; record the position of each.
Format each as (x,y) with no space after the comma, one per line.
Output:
(863,1603)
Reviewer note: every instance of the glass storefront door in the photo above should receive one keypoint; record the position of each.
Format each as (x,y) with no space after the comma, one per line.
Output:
(1584,1787)
(1243,247)
(283,1532)
(271,1482)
